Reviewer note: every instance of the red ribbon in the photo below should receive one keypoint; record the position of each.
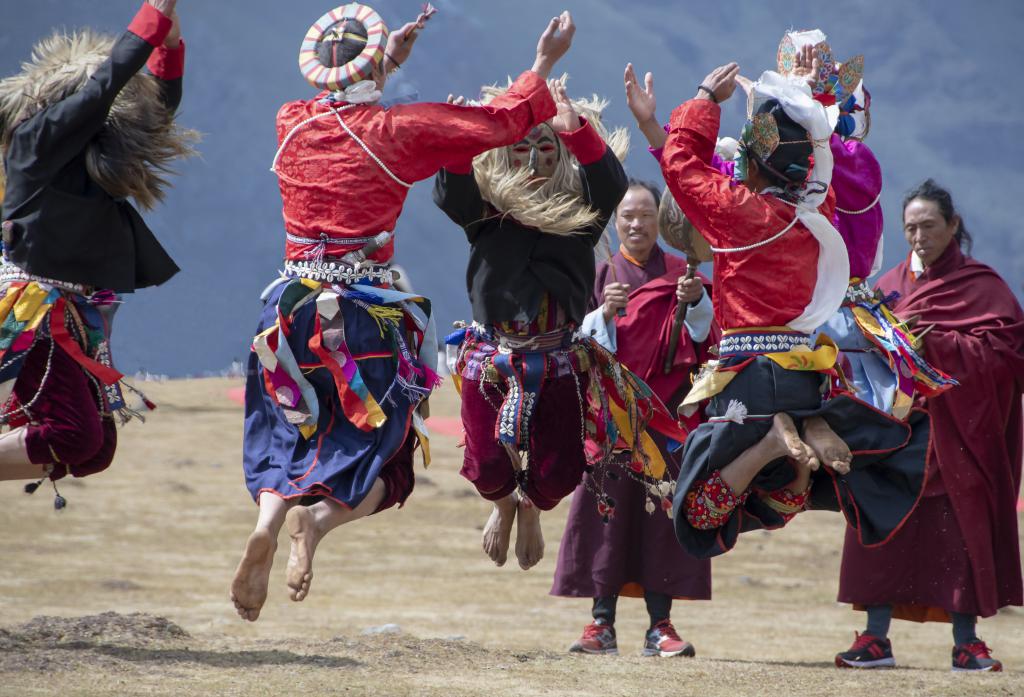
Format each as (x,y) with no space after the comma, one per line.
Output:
(59,331)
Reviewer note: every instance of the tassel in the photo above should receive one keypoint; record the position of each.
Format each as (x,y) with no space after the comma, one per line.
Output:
(59,502)
(736,412)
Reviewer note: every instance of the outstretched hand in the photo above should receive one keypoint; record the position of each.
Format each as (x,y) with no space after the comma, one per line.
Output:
(641,100)
(720,82)
(554,43)
(400,41)
(807,65)
(746,84)
(173,39)
(567,119)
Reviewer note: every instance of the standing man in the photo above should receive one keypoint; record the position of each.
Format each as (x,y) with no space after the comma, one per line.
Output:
(957,557)
(636,554)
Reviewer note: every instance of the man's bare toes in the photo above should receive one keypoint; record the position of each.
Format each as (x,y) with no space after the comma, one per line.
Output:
(496,537)
(784,430)
(841,465)
(303,532)
(529,535)
(827,446)
(812,463)
(249,586)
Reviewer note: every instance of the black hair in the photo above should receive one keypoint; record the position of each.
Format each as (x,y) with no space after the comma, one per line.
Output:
(928,190)
(343,42)
(635,183)
(787,167)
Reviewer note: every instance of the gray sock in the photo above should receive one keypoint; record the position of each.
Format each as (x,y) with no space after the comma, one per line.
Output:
(963,628)
(879,618)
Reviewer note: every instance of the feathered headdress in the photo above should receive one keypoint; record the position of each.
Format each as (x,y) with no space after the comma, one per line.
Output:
(557,206)
(131,155)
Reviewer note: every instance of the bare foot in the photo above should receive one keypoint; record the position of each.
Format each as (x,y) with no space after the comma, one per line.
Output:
(829,447)
(302,528)
(529,537)
(498,531)
(249,587)
(789,442)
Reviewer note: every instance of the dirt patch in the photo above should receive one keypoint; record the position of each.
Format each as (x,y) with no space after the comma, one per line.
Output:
(464,628)
(136,629)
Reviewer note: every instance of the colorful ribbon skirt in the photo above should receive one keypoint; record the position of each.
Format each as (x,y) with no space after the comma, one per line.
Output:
(335,377)
(617,406)
(33,313)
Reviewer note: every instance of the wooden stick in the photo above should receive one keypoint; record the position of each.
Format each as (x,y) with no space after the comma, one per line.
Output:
(621,312)
(678,320)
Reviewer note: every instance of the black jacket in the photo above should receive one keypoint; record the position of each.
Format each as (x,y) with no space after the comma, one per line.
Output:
(512,266)
(62,225)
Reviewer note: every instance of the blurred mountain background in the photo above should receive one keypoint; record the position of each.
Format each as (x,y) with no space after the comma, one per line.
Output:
(943,78)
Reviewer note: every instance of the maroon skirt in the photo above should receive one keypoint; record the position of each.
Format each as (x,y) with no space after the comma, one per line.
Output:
(924,571)
(635,551)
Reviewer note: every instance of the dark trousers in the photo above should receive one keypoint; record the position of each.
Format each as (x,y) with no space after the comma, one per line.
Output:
(556,459)
(659,607)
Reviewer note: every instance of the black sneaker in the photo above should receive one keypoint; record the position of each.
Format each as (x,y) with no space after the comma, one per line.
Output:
(975,656)
(867,652)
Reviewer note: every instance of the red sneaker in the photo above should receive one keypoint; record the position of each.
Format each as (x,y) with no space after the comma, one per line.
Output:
(597,639)
(662,640)
(975,656)
(867,652)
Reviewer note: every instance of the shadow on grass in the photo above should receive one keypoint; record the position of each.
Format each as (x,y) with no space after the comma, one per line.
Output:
(216,659)
(816,664)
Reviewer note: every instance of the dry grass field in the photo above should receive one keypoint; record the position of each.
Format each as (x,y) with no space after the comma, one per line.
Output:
(161,531)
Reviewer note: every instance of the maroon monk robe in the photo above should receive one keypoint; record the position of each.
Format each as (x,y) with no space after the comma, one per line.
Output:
(636,550)
(959,550)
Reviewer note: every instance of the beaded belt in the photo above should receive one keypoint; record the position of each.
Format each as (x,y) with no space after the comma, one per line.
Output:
(10,273)
(537,343)
(753,343)
(338,271)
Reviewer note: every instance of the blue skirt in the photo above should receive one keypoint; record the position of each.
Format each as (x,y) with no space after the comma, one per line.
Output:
(867,371)
(331,456)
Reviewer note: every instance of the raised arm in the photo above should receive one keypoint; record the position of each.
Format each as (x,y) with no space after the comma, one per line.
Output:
(167,64)
(601,174)
(430,137)
(726,215)
(54,136)
(642,102)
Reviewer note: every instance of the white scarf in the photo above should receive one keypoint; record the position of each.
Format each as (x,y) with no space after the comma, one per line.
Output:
(833,260)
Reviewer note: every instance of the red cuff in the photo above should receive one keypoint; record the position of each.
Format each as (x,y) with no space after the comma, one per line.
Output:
(151,25)
(584,143)
(700,116)
(534,90)
(167,63)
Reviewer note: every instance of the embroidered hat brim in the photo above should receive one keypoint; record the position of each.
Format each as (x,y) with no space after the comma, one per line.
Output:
(359,68)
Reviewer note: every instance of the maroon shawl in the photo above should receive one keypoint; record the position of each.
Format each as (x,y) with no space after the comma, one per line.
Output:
(642,336)
(977,430)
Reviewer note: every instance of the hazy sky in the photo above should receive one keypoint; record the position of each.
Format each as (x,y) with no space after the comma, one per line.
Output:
(944,79)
